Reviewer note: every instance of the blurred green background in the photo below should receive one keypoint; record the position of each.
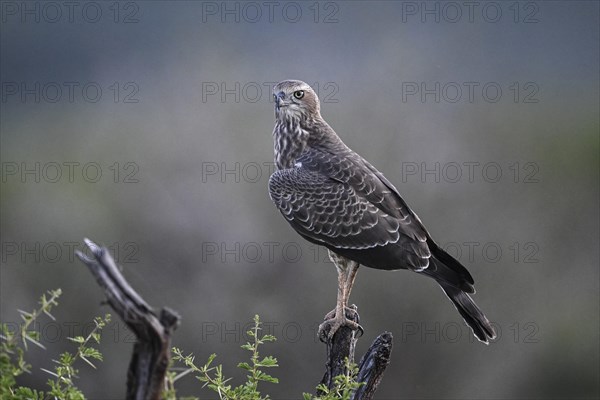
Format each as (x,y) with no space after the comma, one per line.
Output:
(147,125)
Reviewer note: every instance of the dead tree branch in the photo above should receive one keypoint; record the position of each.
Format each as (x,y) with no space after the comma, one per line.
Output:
(372,365)
(340,347)
(151,352)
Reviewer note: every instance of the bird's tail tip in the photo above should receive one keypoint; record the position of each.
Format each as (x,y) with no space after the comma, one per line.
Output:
(471,313)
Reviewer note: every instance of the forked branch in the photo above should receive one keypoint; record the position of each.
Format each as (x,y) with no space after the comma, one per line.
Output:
(151,352)
(371,367)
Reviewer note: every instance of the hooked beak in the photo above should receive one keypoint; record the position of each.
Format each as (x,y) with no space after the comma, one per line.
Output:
(279,100)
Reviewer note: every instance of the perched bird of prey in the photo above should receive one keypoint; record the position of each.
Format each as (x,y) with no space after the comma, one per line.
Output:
(335,198)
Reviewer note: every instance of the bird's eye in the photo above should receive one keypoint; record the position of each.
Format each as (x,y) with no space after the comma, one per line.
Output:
(299,94)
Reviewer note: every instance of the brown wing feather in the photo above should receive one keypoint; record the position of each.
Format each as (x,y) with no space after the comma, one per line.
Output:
(335,214)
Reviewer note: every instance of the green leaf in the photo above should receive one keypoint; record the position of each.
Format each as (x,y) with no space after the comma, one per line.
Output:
(245,365)
(96,336)
(266,377)
(77,339)
(92,352)
(269,338)
(268,362)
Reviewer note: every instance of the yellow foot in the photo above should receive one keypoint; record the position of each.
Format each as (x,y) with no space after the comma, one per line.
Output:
(334,322)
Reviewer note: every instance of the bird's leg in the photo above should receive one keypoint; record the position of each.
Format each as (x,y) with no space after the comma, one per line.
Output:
(346,276)
(351,276)
(338,317)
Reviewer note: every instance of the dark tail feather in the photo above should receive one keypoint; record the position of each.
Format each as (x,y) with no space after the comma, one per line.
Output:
(472,315)
(448,267)
(457,283)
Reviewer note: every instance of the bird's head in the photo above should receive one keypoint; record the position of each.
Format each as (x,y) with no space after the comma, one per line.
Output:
(295,99)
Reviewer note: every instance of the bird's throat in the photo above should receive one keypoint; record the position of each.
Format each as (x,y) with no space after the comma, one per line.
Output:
(290,139)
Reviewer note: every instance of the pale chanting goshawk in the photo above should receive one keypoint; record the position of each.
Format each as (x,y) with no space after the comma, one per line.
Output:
(335,198)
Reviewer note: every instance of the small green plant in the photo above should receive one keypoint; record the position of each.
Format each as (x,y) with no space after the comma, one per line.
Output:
(62,385)
(343,386)
(15,344)
(213,378)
